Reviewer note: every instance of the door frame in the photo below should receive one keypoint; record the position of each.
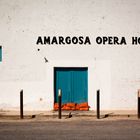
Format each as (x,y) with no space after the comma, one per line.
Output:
(54,71)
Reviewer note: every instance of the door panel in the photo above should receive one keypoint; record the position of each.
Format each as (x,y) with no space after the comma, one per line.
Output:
(63,82)
(80,86)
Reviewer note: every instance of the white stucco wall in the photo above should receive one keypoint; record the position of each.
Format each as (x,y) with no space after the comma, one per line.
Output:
(113,69)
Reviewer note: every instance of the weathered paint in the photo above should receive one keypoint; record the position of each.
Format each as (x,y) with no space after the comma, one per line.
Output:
(114,69)
(74,84)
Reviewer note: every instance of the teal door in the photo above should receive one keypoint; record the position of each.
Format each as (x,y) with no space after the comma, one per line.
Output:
(0,53)
(73,82)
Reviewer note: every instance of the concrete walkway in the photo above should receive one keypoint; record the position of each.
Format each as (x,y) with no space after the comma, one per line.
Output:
(103,114)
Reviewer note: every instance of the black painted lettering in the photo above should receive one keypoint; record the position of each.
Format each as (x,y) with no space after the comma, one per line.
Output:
(134,40)
(139,40)
(54,40)
(81,39)
(123,41)
(116,40)
(39,41)
(47,40)
(87,41)
(110,40)
(104,39)
(74,40)
(68,40)
(98,40)
(61,40)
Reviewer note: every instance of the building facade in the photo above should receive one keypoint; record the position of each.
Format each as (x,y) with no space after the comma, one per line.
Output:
(79,69)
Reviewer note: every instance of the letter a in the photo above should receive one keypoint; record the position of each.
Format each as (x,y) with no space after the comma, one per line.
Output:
(39,40)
